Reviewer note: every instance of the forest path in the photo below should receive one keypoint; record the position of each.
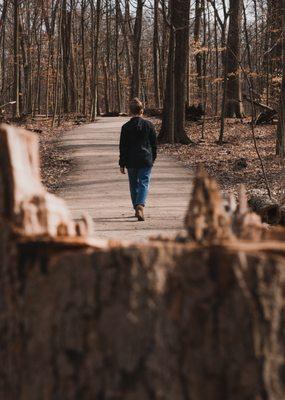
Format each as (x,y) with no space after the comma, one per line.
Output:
(95,185)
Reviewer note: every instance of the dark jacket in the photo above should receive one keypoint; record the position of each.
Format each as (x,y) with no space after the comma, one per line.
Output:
(138,145)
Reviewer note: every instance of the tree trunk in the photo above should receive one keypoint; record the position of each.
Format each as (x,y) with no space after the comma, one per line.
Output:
(155,57)
(83,10)
(95,45)
(106,62)
(166,134)
(65,37)
(198,56)
(16,87)
(181,22)
(173,121)
(135,84)
(280,141)
(118,81)
(234,105)
(3,51)
(57,90)
(67,58)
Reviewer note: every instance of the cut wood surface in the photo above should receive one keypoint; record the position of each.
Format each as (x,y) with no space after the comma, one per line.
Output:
(96,186)
(24,200)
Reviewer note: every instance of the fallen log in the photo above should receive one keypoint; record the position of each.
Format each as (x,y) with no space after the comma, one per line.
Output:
(265,117)
(111,114)
(153,112)
(268,209)
(257,103)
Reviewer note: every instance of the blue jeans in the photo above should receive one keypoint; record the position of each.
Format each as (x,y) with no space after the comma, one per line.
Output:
(139,180)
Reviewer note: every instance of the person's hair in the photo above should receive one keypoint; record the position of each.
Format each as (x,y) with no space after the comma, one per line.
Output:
(136,106)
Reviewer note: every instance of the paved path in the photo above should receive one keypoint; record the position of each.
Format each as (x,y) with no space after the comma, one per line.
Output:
(96,186)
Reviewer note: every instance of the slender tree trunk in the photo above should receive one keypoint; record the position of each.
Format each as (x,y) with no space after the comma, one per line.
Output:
(16,109)
(67,58)
(3,52)
(163,53)
(198,56)
(57,88)
(155,56)
(38,87)
(234,105)
(125,29)
(280,142)
(181,22)
(95,44)
(106,64)
(83,8)
(217,69)
(118,83)
(65,37)
(2,47)
(173,121)
(106,86)
(135,84)
(166,134)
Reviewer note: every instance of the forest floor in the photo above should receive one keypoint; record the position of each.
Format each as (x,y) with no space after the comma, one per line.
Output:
(232,164)
(235,162)
(55,164)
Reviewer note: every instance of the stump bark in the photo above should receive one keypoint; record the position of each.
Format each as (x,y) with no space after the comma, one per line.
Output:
(161,320)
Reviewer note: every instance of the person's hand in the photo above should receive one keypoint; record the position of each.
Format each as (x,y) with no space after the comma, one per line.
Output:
(122,169)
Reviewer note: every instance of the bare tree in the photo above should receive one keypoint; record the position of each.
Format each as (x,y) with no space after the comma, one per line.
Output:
(156,55)
(173,122)
(234,105)
(280,142)
(16,90)
(135,83)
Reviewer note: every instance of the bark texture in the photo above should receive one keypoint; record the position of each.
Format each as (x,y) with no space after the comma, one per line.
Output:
(173,120)
(124,323)
(280,139)
(135,83)
(234,105)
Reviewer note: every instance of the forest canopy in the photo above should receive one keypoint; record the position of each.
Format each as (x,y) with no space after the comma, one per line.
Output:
(89,57)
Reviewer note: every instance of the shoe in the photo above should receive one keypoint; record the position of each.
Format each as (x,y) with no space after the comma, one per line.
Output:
(139,213)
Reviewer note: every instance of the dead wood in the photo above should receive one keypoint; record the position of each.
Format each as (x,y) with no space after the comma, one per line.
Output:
(206,219)
(153,112)
(25,201)
(135,316)
(268,209)
(161,320)
(211,218)
(258,104)
(111,114)
(266,116)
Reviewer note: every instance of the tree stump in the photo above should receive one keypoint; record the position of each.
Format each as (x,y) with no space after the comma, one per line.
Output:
(202,319)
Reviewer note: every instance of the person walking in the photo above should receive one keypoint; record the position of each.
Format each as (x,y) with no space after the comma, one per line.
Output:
(138,151)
